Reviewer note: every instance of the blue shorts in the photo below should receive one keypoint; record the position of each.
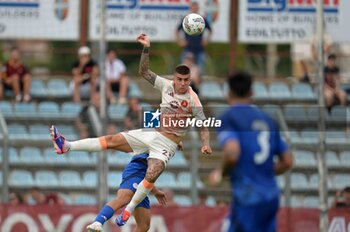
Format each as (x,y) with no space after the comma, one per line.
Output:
(254,218)
(132,183)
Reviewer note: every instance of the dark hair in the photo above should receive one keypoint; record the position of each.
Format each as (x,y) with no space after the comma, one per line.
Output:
(332,57)
(182,69)
(240,83)
(14,49)
(347,189)
(111,50)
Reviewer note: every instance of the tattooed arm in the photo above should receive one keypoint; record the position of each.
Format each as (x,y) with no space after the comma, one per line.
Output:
(144,61)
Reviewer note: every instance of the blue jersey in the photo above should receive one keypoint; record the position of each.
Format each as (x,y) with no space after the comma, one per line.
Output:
(137,166)
(253,177)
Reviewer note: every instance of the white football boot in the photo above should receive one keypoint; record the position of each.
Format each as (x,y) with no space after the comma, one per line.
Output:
(94,227)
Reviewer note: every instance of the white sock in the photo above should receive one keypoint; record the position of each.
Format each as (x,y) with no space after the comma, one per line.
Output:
(89,145)
(143,189)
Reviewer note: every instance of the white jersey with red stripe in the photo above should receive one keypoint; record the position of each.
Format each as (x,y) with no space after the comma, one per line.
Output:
(176,108)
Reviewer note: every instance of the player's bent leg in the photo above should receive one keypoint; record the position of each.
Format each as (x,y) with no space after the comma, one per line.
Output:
(143,219)
(122,198)
(117,142)
(155,168)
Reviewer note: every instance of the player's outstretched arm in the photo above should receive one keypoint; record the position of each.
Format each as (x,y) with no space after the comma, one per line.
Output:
(144,70)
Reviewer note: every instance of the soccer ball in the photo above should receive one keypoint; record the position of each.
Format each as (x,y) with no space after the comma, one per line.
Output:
(193,24)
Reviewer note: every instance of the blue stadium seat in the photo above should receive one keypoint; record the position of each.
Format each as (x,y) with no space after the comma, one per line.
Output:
(134,90)
(184,180)
(279,91)
(40,132)
(280,181)
(345,158)
(210,202)
(313,113)
(68,200)
(146,106)
(50,157)
(341,181)
(46,179)
(167,179)
(311,202)
(13,156)
(336,137)
(332,159)
(295,137)
(302,91)
(304,159)
(114,179)
(178,160)
(80,158)
(85,199)
(271,110)
(90,179)
(49,109)
(296,202)
(339,114)
(183,200)
(295,113)
(25,110)
(58,88)
(17,131)
(117,112)
(299,181)
(314,181)
(211,90)
(31,155)
(260,91)
(309,136)
(69,179)
(6,108)
(38,88)
(118,158)
(21,178)
(71,109)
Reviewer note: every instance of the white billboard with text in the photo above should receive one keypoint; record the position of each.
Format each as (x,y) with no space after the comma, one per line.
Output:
(158,18)
(287,21)
(39,19)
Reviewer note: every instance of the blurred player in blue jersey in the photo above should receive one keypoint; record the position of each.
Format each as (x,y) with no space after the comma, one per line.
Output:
(132,175)
(250,140)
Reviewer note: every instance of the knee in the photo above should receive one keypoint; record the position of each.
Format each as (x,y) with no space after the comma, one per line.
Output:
(143,226)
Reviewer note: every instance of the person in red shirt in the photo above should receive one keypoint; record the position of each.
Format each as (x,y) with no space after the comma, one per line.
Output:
(16,77)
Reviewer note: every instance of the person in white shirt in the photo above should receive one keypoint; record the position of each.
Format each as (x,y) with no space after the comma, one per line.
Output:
(116,79)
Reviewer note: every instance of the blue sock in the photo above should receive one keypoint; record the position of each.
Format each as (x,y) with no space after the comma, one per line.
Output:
(105,214)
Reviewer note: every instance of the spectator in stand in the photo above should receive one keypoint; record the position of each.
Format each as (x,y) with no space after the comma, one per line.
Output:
(195,72)
(15,199)
(16,76)
(84,124)
(37,197)
(194,44)
(116,79)
(345,201)
(85,73)
(133,117)
(333,92)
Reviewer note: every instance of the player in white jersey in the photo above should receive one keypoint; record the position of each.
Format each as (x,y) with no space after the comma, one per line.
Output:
(179,102)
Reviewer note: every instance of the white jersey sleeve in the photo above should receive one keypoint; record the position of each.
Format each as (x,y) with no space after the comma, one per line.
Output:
(197,108)
(161,82)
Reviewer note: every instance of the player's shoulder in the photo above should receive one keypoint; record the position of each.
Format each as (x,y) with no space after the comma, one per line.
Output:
(194,96)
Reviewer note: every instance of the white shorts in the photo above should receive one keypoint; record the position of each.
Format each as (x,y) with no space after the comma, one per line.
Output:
(149,140)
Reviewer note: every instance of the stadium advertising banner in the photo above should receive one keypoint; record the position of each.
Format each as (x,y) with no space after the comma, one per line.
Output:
(287,21)
(126,19)
(164,219)
(39,19)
